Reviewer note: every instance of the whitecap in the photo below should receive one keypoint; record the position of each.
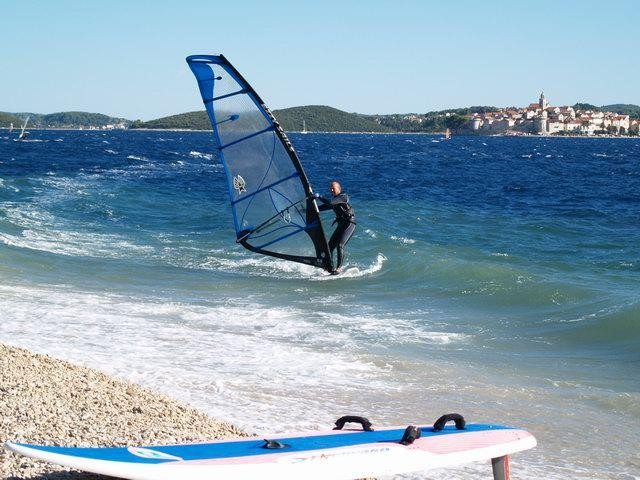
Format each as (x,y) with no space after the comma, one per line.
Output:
(196,154)
(355,271)
(405,240)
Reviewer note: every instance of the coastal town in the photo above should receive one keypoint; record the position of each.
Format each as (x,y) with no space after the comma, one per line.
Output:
(541,118)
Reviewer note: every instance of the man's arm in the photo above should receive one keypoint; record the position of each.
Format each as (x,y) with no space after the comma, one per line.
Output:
(326,204)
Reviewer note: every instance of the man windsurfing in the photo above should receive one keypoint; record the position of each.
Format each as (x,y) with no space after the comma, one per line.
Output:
(345,220)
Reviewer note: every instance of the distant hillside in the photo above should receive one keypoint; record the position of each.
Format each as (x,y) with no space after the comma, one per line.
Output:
(187,121)
(6,119)
(430,122)
(585,106)
(70,119)
(623,109)
(318,119)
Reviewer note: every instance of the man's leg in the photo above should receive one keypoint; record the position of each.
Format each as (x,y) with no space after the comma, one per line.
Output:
(345,236)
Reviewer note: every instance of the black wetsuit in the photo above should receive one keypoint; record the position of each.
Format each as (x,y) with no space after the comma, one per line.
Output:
(346,220)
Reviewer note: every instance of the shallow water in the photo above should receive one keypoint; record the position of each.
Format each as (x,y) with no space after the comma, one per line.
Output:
(497,277)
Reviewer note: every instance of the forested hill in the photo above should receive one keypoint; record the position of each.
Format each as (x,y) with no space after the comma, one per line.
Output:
(182,121)
(70,119)
(623,109)
(6,119)
(317,118)
(320,118)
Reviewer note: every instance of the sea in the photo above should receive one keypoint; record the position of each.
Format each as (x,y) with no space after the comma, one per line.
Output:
(495,277)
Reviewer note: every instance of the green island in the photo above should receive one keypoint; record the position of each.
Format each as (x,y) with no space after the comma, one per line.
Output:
(63,120)
(6,119)
(318,118)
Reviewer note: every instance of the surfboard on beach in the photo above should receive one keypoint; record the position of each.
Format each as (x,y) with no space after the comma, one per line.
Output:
(336,454)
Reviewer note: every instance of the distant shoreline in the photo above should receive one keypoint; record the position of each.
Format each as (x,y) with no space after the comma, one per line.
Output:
(432,134)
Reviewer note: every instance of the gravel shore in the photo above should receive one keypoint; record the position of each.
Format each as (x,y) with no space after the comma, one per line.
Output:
(48,401)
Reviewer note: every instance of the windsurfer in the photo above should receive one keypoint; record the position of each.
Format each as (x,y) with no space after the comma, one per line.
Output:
(345,220)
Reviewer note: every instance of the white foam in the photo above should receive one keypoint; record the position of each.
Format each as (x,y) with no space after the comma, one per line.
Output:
(355,271)
(214,356)
(404,240)
(241,262)
(42,231)
(8,187)
(207,156)
(75,244)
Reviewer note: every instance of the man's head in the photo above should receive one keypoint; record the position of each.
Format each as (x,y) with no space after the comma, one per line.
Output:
(335,188)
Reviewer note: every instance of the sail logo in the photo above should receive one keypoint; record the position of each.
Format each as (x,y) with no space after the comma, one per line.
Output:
(239,184)
(151,454)
(286,216)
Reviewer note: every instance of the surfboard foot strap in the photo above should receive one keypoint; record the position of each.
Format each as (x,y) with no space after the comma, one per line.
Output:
(410,435)
(274,444)
(442,421)
(366,424)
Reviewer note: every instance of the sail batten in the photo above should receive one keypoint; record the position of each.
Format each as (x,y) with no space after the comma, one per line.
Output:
(272,202)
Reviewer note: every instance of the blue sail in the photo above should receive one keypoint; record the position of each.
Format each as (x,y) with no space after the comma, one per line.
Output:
(274,211)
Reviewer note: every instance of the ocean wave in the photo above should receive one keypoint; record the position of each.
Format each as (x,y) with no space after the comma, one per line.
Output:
(76,244)
(405,240)
(615,327)
(240,344)
(195,154)
(356,271)
(8,187)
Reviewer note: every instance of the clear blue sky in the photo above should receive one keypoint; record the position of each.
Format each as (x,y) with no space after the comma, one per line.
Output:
(126,58)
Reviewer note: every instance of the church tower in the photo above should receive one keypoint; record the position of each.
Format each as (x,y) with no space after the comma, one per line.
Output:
(543,101)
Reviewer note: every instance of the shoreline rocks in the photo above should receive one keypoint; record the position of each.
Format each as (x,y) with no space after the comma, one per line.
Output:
(48,401)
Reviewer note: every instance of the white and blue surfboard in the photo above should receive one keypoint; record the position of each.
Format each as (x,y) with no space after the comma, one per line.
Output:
(336,454)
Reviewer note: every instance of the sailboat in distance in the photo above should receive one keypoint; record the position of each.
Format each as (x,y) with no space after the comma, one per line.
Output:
(11,127)
(304,127)
(23,133)
(447,134)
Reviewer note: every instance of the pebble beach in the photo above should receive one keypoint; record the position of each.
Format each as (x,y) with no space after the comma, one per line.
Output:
(48,401)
